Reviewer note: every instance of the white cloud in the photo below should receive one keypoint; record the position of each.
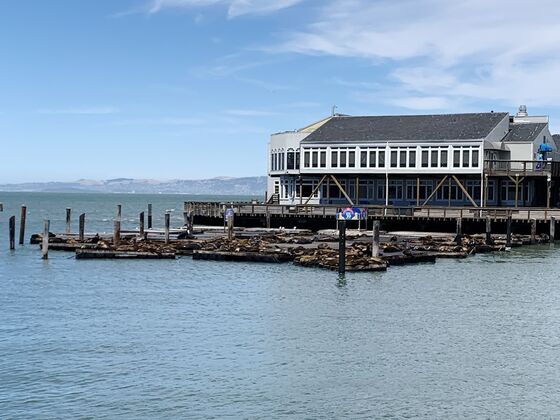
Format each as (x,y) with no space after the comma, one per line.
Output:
(235,8)
(441,50)
(80,111)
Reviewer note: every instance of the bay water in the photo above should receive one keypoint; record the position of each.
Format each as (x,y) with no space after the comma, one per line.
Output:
(473,338)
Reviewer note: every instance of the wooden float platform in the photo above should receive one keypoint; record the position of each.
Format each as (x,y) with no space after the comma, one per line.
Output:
(84,254)
(241,256)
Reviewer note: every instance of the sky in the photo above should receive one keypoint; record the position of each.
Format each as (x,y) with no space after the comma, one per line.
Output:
(192,89)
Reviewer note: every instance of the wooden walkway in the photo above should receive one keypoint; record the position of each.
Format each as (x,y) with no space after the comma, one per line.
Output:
(376,212)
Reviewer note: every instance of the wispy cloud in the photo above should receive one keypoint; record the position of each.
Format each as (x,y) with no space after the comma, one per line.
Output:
(79,111)
(235,8)
(439,50)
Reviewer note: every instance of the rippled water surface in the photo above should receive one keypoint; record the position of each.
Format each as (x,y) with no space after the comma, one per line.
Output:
(476,338)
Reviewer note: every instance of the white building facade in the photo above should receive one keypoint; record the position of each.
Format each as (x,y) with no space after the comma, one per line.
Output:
(453,159)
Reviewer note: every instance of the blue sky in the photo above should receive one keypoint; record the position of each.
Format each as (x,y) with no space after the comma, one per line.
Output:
(193,88)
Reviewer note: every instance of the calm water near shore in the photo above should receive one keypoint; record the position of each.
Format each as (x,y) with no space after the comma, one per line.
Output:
(474,338)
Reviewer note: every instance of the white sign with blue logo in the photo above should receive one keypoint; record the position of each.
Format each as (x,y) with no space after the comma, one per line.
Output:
(229,213)
(351,213)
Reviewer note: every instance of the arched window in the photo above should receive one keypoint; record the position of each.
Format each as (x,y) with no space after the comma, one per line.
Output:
(291,160)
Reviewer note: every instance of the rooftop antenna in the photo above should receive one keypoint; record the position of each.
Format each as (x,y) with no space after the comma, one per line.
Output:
(333,109)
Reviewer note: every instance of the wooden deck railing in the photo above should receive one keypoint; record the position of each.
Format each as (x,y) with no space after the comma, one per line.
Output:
(427,212)
(519,167)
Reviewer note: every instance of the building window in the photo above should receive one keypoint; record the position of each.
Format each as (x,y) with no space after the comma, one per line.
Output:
(402,162)
(372,158)
(297,159)
(334,159)
(394,159)
(282,161)
(474,158)
(411,190)
(434,161)
(363,159)
(443,159)
(315,159)
(272,161)
(412,158)
(424,158)
(381,158)
(290,160)
(306,159)
(380,190)
(351,159)
(343,159)
(456,158)
(323,159)
(426,188)
(395,190)
(465,158)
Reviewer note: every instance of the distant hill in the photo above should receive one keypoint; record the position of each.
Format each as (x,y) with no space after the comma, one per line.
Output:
(219,186)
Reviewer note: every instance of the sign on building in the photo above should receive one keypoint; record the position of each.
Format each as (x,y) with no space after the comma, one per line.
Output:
(351,213)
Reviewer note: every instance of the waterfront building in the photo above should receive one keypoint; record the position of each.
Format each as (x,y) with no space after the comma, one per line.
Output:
(475,159)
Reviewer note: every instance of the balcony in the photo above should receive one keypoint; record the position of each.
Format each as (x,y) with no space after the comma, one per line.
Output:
(521,167)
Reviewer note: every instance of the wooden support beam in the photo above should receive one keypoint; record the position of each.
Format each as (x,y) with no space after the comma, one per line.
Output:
(149,216)
(488,231)
(552,229)
(314,190)
(438,186)
(341,247)
(342,190)
(167,226)
(12,232)
(375,243)
(417,191)
(460,185)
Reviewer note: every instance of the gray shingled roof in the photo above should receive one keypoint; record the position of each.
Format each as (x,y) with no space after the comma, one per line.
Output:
(406,128)
(556,138)
(524,132)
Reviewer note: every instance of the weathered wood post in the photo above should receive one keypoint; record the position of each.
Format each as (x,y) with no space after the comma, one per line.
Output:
(45,244)
(508,230)
(267,218)
(141,221)
(167,224)
(341,247)
(1,206)
(533,231)
(488,230)
(12,231)
(81,227)
(22,224)
(149,216)
(119,212)
(375,243)
(116,232)
(230,226)
(459,231)
(552,229)
(68,219)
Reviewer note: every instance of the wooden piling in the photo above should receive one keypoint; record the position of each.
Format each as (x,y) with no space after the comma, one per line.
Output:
(149,216)
(141,221)
(68,220)
(341,247)
(267,218)
(533,231)
(12,232)
(508,231)
(230,227)
(81,227)
(1,206)
(488,230)
(375,243)
(167,225)
(45,243)
(116,232)
(459,231)
(552,228)
(22,224)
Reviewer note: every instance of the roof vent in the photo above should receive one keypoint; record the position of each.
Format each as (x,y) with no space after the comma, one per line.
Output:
(522,111)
